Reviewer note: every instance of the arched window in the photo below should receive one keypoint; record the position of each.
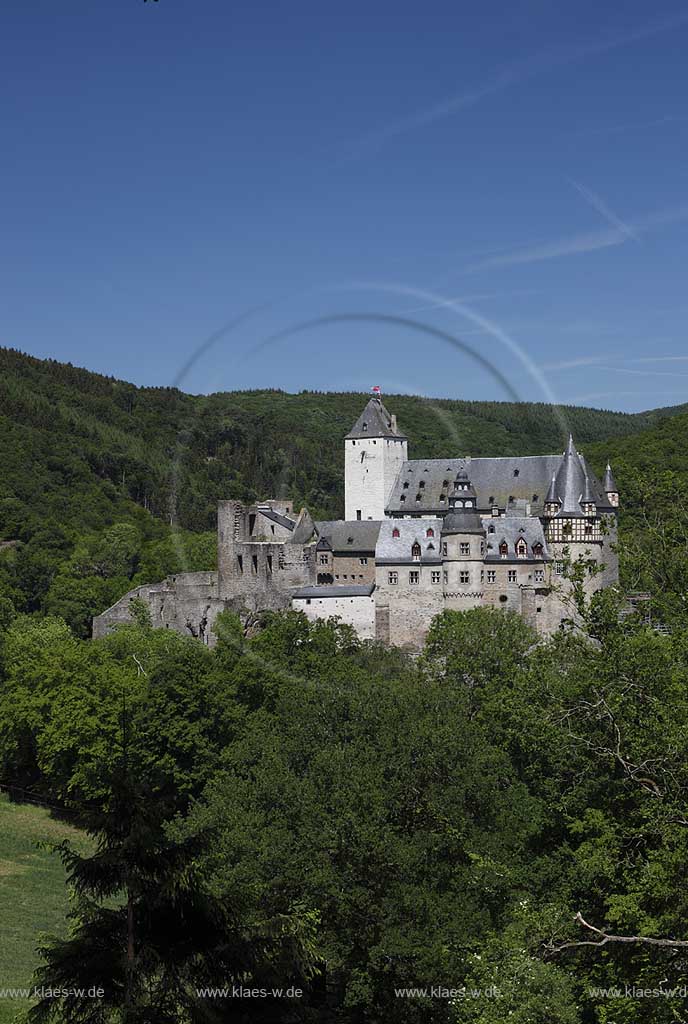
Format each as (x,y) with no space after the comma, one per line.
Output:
(521,548)
(490,529)
(503,549)
(469,503)
(537,550)
(415,550)
(429,532)
(395,531)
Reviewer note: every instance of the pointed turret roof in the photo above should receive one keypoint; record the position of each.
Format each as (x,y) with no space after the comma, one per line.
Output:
(609,483)
(552,492)
(570,481)
(375,421)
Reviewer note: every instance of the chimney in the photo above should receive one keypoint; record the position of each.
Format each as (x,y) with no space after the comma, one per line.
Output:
(394,424)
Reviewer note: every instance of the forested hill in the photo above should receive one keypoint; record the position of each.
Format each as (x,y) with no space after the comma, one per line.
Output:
(94,469)
(78,444)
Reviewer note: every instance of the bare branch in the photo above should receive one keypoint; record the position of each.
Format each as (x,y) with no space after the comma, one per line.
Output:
(646,940)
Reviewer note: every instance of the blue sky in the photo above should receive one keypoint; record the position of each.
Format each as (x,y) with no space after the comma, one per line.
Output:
(510,175)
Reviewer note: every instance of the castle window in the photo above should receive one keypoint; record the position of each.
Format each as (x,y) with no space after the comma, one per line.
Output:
(363,561)
(588,529)
(395,532)
(431,546)
(516,472)
(503,598)
(503,549)
(559,568)
(443,497)
(445,483)
(491,576)
(482,547)
(464,577)
(445,577)
(365,427)
(539,575)
(537,550)
(268,567)
(536,497)
(415,550)
(240,563)
(254,564)
(491,500)
(414,577)
(392,578)
(464,548)
(402,498)
(444,547)
(490,529)
(469,503)
(434,577)
(323,559)
(406,483)
(429,532)
(521,548)
(482,575)
(350,540)
(421,484)
(418,497)
(511,576)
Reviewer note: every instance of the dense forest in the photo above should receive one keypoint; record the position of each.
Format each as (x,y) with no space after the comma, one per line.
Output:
(297,827)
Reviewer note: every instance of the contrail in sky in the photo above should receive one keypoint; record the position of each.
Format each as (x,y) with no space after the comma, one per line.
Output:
(599,204)
(519,71)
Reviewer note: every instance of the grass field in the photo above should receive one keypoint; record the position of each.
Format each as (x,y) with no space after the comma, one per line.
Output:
(33,894)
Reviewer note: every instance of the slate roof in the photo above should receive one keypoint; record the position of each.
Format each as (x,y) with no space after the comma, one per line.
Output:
(462,522)
(609,483)
(277,517)
(374,421)
(363,534)
(392,550)
(364,590)
(526,477)
(509,529)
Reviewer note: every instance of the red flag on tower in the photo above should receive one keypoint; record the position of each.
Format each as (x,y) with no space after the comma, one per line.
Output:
(376,389)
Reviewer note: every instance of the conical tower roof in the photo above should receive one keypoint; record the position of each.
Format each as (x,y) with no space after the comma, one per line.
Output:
(552,495)
(375,421)
(609,483)
(570,481)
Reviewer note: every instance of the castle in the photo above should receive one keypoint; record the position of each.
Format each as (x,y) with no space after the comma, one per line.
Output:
(419,536)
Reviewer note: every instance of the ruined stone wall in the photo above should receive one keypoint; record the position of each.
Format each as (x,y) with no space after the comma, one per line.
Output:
(186,602)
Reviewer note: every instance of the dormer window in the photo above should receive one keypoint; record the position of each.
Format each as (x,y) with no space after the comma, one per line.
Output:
(445,483)
(429,532)
(421,483)
(516,472)
(415,550)
(443,497)
(402,498)
(419,496)
(521,548)
(395,531)
(503,549)
(406,483)
(365,427)
(490,529)
(469,503)
(537,550)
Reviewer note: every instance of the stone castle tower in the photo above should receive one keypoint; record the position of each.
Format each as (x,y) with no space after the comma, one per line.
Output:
(374,452)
